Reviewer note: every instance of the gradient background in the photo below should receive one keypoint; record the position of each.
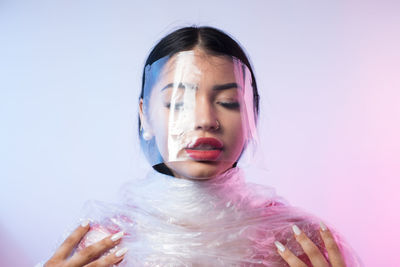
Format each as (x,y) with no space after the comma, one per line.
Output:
(328,73)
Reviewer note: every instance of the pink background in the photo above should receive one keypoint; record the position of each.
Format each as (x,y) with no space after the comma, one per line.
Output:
(328,74)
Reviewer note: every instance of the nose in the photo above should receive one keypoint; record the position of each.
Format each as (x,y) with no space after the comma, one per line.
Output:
(205,116)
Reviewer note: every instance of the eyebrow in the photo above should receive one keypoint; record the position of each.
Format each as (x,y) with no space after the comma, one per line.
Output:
(171,85)
(218,87)
(226,86)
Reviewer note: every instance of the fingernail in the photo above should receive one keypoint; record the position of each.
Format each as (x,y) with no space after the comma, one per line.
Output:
(121,252)
(279,246)
(85,223)
(323,226)
(296,229)
(117,236)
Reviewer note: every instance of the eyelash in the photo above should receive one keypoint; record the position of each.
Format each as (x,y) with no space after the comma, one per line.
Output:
(228,105)
(178,106)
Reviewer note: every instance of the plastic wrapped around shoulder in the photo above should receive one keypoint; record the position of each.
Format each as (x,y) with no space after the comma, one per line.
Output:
(197,106)
(219,222)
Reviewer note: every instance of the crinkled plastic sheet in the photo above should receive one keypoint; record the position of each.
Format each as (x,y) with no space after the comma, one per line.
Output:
(219,222)
(184,90)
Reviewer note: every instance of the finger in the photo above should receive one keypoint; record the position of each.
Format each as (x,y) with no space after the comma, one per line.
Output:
(334,254)
(312,251)
(94,251)
(72,241)
(288,256)
(109,260)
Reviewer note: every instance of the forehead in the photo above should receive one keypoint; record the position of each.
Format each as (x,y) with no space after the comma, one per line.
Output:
(196,65)
(195,69)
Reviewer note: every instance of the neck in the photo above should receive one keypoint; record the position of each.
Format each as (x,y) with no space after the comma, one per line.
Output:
(163,168)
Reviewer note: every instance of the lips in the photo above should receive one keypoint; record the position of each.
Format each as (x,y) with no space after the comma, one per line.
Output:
(205,149)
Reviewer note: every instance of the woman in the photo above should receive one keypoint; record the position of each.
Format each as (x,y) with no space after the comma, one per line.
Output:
(197,118)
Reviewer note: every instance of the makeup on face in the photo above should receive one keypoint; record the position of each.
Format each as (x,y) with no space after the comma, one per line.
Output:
(197,109)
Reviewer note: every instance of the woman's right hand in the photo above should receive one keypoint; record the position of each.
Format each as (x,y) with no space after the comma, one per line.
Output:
(89,256)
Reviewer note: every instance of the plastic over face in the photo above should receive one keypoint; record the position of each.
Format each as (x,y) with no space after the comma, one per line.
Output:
(198,111)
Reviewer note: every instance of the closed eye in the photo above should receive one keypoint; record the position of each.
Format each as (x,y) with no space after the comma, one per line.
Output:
(177,106)
(230,105)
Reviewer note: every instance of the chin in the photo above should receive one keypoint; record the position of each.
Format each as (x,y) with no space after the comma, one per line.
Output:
(198,170)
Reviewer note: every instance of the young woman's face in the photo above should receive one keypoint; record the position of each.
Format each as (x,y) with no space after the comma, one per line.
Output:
(196,114)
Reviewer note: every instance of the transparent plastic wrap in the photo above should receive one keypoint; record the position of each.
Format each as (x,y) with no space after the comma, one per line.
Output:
(218,222)
(198,118)
(196,108)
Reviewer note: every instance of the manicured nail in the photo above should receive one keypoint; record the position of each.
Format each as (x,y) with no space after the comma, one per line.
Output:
(121,252)
(117,236)
(85,223)
(279,246)
(296,229)
(323,226)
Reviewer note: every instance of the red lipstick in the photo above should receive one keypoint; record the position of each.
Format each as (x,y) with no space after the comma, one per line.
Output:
(205,149)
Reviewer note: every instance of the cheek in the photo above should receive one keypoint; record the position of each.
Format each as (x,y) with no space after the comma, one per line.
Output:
(234,134)
(159,124)
(172,133)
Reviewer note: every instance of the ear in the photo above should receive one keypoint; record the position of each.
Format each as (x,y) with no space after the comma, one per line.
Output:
(145,128)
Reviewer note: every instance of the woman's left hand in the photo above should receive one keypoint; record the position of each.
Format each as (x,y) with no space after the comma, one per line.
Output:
(312,251)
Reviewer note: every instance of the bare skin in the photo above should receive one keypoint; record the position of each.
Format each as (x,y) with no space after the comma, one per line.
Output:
(88,257)
(335,258)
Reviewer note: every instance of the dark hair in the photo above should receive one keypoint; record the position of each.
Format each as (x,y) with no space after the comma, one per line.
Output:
(211,40)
